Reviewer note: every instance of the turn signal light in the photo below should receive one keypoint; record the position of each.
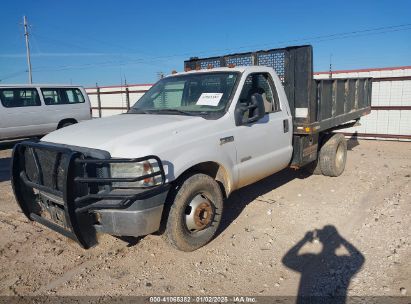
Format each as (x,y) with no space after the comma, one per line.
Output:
(147,168)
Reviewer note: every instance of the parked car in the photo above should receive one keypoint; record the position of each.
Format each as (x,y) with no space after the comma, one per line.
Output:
(186,145)
(32,110)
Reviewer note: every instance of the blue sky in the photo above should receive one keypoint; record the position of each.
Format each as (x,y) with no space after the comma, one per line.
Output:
(85,42)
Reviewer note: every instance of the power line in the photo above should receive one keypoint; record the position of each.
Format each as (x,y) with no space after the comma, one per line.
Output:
(317,39)
(321,38)
(50,40)
(92,38)
(74,46)
(11,75)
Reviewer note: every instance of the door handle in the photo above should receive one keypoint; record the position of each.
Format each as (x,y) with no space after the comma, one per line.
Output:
(286,125)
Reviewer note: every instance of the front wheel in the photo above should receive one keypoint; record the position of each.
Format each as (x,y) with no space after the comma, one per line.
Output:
(195,214)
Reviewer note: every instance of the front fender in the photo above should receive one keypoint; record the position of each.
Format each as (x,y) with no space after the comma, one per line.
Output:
(224,155)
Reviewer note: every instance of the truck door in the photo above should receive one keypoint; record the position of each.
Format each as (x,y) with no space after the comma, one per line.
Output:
(263,147)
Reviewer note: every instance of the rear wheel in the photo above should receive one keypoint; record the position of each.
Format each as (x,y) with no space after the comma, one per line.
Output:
(66,124)
(195,214)
(333,155)
(313,168)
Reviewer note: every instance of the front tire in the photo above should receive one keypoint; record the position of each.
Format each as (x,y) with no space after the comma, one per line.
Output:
(195,214)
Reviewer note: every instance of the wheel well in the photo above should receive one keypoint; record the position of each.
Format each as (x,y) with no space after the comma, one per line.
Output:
(210,168)
(213,169)
(66,120)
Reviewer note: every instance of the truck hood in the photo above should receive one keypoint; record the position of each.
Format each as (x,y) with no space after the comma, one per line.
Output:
(127,135)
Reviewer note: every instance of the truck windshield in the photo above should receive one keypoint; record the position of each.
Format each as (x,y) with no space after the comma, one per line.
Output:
(200,94)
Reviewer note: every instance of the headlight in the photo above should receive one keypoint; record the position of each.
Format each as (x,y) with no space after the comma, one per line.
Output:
(132,170)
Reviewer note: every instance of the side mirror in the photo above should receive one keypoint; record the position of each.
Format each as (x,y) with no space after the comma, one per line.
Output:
(256,110)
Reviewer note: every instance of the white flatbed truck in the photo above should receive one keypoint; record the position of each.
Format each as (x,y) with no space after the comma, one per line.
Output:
(186,145)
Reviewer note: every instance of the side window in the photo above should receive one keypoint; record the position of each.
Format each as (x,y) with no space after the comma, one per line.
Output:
(62,96)
(13,98)
(74,96)
(52,96)
(261,83)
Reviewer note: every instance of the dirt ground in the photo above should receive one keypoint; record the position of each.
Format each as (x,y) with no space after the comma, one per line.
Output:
(361,246)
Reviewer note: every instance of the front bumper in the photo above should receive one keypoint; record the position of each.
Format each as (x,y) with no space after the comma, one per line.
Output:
(69,189)
(134,220)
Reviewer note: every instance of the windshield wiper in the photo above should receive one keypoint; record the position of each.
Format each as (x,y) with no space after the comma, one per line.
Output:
(167,111)
(138,111)
(175,111)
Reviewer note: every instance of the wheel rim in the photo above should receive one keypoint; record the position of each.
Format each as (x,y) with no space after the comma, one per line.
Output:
(339,157)
(199,213)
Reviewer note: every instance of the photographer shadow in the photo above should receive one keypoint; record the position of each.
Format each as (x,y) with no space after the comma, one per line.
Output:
(325,276)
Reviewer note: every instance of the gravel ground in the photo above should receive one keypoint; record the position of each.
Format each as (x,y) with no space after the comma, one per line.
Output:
(289,234)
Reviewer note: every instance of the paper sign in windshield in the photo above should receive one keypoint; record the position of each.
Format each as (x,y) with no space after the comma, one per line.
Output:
(209,99)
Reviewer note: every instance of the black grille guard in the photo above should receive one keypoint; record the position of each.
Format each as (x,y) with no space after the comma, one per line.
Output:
(69,170)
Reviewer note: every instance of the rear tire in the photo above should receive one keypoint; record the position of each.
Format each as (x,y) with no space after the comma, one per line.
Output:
(195,214)
(333,155)
(313,168)
(66,124)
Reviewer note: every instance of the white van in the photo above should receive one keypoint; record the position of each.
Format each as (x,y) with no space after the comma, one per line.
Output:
(32,110)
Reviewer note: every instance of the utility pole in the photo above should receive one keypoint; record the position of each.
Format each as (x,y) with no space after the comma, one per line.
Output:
(331,66)
(26,35)
(127,94)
